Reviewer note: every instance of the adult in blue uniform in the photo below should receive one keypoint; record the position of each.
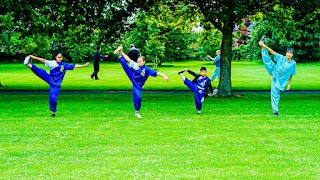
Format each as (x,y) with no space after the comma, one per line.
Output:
(198,86)
(138,74)
(281,72)
(96,63)
(216,72)
(133,53)
(58,70)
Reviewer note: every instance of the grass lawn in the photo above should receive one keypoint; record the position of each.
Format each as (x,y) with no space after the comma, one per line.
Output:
(95,136)
(245,76)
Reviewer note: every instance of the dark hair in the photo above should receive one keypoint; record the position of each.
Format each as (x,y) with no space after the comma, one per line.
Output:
(203,68)
(98,47)
(59,53)
(290,50)
(131,45)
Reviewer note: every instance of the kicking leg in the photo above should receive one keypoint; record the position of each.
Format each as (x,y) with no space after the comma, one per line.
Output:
(40,73)
(126,68)
(268,63)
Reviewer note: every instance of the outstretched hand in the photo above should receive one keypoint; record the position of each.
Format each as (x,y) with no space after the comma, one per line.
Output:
(166,78)
(87,64)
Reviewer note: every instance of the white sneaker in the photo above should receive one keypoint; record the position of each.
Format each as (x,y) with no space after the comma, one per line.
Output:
(117,51)
(138,115)
(199,111)
(26,60)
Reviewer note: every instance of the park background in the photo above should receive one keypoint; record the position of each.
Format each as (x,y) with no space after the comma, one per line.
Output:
(95,134)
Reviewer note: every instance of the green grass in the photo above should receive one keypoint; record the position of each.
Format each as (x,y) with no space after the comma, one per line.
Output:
(95,136)
(245,76)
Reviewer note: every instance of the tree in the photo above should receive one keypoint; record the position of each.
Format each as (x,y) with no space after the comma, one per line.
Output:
(224,14)
(73,24)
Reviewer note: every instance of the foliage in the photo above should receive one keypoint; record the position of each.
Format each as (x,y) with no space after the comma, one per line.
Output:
(301,34)
(75,26)
(163,32)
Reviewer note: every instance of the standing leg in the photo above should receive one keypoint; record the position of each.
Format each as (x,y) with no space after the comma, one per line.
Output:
(136,93)
(215,74)
(275,97)
(268,63)
(95,71)
(53,100)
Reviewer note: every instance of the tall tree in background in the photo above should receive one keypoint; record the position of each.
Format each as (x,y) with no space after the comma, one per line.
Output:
(224,14)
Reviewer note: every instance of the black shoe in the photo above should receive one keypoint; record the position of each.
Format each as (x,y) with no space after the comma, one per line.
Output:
(53,115)
(91,77)
(97,79)
(275,114)
(181,72)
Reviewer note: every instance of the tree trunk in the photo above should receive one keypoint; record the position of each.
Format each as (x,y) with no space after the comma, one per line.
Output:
(225,88)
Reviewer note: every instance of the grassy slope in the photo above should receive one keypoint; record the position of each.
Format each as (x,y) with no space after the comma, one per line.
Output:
(96,136)
(245,76)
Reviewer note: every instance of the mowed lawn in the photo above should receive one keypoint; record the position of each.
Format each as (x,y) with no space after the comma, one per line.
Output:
(245,76)
(96,136)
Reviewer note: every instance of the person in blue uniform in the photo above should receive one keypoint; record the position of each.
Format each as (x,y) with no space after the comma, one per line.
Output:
(216,72)
(133,53)
(138,74)
(96,63)
(198,86)
(58,70)
(281,72)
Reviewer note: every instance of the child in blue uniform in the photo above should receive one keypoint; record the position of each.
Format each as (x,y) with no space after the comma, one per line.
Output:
(198,86)
(216,72)
(281,72)
(54,79)
(138,74)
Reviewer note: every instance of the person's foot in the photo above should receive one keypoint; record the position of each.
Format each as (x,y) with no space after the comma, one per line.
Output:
(97,79)
(117,51)
(26,60)
(275,114)
(181,72)
(199,111)
(138,115)
(91,77)
(53,115)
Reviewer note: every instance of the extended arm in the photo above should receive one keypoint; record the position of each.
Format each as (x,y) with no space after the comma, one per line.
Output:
(217,58)
(164,76)
(81,66)
(126,57)
(36,58)
(261,43)
(191,72)
(289,84)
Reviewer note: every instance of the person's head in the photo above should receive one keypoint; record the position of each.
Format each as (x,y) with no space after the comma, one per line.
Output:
(59,57)
(218,52)
(289,53)
(131,45)
(98,48)
(141,61)
(203,71)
